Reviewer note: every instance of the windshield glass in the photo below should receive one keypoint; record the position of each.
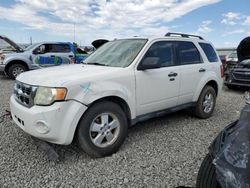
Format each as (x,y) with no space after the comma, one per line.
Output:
(30,47)
(117,53)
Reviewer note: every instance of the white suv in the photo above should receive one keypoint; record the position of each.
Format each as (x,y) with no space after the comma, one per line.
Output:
(125,81)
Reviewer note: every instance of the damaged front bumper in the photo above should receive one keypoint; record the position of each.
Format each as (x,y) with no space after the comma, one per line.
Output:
(55,123)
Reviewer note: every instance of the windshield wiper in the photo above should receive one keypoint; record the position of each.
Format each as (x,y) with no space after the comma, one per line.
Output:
(94,63)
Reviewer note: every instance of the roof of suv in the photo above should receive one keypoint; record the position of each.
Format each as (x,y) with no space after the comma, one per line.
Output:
(174,36)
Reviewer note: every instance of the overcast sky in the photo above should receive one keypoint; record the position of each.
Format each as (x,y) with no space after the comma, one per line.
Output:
(224,22)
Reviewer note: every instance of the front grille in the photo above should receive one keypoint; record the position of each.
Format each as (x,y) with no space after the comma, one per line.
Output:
(24,94)
(242,76)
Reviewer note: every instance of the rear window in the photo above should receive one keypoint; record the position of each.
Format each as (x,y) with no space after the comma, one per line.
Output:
(209,51)
(187,53)
(59,48)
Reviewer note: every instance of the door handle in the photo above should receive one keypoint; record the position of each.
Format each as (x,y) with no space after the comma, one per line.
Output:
(71,56)
(202,70)
(52,56)
(172,74)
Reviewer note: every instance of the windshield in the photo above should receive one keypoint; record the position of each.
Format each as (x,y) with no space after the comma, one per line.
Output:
(117,53)
(30,47)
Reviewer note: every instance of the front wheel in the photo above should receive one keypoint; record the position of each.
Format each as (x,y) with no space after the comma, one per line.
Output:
(16,69)
(102,129)
(205,105)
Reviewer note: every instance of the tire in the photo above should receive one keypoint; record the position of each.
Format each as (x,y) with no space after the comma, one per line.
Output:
(207,174)
(207,111)
(16,69)
(95,124)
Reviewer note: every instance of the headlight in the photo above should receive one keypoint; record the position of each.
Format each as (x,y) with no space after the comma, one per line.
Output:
(46,95)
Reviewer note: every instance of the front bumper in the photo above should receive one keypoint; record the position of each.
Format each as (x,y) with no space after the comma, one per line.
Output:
(56,123)
(235,83)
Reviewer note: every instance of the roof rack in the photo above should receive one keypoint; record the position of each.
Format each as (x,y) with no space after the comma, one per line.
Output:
(183,35)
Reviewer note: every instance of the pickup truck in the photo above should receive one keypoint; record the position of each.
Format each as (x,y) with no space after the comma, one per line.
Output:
(39,55)
(123,82)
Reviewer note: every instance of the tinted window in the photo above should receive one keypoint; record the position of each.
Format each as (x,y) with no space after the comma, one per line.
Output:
(209,51)
(187,53)
(163,50)
(59,48)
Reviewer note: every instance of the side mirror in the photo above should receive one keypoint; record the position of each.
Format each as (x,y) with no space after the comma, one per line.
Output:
(149,63)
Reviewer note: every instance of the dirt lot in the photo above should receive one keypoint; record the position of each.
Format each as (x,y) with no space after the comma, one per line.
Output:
(163,152)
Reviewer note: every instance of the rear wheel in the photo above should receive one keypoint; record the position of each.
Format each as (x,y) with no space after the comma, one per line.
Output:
(16,69)
(102,129)
(207,174)
(205,105)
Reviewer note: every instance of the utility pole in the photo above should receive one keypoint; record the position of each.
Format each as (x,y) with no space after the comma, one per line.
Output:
(30,40)
(74,32)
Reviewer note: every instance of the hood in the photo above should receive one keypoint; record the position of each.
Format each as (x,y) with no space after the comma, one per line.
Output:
(65,74)
(11,43)
(99,42)
(243,49)
(20,55)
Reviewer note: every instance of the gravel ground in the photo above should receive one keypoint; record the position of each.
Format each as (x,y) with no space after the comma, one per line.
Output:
(163,152)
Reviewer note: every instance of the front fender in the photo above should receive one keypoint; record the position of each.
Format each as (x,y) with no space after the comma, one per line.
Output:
(90,92)
(10,59)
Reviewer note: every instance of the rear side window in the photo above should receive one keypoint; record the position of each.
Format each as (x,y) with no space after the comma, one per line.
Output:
(209,51)
(188,53)
(59,48)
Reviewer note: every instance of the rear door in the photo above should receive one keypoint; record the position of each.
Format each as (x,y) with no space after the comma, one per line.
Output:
(192,69)
(62,53)
(158,89)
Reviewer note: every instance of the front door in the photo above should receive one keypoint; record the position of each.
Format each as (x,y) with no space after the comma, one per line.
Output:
(158,88)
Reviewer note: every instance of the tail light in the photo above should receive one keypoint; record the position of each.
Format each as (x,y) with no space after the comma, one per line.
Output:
(222,72)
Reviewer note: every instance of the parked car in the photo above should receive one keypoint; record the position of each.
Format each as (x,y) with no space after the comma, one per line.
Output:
(232,57)
(231,61)
(123,82)
(238,75)
(39,55)
(227,163)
